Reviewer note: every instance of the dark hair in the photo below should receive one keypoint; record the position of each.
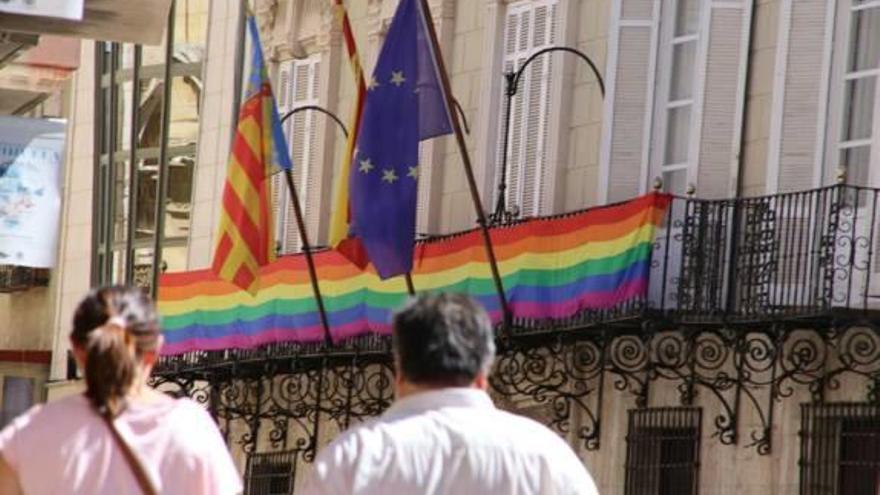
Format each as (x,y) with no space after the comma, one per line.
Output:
(116,326)
(443,340)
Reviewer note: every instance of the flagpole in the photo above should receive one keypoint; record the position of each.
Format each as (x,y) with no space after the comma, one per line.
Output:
(307,250)
(410,287)
(468,169)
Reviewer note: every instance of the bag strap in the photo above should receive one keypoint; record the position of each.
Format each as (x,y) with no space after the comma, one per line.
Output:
(137,468)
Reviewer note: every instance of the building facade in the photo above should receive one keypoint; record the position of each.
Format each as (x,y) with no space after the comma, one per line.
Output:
(756,374)
(39,54)
(34,80)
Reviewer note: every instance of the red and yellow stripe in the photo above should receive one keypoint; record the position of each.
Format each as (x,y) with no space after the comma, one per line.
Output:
(340,219)
(245,239)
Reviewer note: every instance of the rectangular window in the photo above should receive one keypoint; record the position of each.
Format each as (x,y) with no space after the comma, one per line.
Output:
(18,397)
(530,26)
(854,113)
(859,88)
(271,473)
(138,149)
(298,83)
(681,26)
(662,451)
(676,93)
(840,449)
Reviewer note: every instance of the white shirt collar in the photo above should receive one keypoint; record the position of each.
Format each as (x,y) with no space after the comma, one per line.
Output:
(436,399)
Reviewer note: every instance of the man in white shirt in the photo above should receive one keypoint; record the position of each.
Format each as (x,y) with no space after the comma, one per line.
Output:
(443,435)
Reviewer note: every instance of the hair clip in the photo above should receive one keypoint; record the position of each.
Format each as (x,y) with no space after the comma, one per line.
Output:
(116,321)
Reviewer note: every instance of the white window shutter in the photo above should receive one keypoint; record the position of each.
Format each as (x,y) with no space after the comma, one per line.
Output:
(311,173)
(298,150)
(800,91)
(627,113)
(723,96)
(529,169)
(297,88)
(529,27)
(279,186)
(283,90)
(536,172)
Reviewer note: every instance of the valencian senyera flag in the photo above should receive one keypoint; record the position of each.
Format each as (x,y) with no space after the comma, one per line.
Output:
(405,104)
(348,246)
(246,240)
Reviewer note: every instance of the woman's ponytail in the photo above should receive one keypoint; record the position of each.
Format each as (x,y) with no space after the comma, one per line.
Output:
(114,327)
(111,366)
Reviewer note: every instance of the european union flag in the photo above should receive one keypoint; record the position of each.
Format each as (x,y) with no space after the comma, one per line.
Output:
(405,104)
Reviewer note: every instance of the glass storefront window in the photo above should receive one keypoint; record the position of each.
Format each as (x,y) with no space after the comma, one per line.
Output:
(132,94)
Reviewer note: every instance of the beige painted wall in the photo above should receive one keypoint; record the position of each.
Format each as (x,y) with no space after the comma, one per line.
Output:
(581,174)
(215,131)
(74,257)
(26,319)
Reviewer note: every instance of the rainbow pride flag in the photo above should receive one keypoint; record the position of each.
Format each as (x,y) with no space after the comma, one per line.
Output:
(552,268)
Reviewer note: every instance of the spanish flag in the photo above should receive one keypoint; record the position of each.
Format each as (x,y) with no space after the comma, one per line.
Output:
(246,240)
(340,221)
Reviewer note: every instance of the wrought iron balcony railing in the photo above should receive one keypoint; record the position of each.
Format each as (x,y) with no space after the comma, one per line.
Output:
(768,260)
(785,257)
(795,259)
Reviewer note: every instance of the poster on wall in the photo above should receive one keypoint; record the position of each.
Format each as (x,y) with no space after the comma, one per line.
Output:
(64,9)
(31,157)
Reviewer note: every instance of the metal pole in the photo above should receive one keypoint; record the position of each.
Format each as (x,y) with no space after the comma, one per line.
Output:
(132,165)
(307,250)
(468,169)
(512,86)
(301,226)
(109,199)
(410,287)
(583,56)
(162,185)
(317,108)
(97,169)
(509,92)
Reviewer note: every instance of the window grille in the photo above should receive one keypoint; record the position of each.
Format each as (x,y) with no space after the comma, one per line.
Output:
(271,473)
(840,449)
(662,451)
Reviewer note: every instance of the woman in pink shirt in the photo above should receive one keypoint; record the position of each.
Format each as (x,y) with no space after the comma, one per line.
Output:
(121,436)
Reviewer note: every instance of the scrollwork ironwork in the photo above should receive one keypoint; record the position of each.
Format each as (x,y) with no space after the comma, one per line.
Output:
(561,375)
